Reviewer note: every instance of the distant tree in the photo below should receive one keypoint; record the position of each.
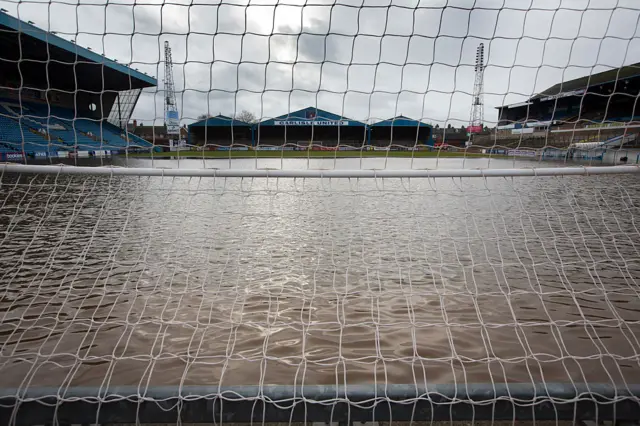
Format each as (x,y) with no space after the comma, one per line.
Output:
(437,126)
(203,116)
(246,116)
(449,126)
(462,128)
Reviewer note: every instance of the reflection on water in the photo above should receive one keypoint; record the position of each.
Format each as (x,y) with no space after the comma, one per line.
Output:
(247,281)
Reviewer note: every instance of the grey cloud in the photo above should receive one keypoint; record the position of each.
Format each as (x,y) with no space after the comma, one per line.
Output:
(313,45)
(411,57)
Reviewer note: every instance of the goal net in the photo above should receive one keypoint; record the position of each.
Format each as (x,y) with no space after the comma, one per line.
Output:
(319,212)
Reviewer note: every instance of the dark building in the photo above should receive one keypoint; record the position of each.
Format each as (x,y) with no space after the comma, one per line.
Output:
(157,135)
(454,136)
(220,132)
(400,132)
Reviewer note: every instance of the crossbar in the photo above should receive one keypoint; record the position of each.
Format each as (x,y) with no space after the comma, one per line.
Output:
(366,173)
(271,403)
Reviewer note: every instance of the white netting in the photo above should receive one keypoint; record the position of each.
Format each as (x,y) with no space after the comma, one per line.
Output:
(543,79)
(244,259)
(150,281)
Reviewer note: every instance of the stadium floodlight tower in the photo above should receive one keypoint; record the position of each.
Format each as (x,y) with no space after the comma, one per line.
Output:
(476,121)
(172,120)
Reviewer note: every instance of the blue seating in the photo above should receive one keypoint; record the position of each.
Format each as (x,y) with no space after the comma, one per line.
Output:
(15,136)
(64,131)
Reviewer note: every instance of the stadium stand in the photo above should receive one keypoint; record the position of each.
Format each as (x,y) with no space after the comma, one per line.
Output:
(59,99)
(25,138)
(404,132)
(311,127)
(605,97)
(220,132)
(593,108)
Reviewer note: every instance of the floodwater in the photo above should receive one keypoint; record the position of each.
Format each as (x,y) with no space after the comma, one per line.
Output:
(154,281)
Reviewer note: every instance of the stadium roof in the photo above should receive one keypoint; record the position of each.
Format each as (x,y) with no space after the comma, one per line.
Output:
(66,63)
(587,81)
(219,121)
(575,86)
(400,121)
(311,116)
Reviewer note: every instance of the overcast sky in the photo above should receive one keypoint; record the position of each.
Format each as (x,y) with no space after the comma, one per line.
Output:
(366,60)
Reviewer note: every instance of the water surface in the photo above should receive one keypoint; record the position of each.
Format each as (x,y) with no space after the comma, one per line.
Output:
(151,281)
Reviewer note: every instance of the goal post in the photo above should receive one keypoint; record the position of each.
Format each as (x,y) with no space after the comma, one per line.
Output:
(353,173)
(351,404)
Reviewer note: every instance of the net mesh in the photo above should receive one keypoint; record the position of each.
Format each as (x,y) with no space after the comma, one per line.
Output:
(536,79)
(117,288)
(223,282)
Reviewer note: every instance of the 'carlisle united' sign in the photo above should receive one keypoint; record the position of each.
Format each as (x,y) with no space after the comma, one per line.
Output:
(311,122)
